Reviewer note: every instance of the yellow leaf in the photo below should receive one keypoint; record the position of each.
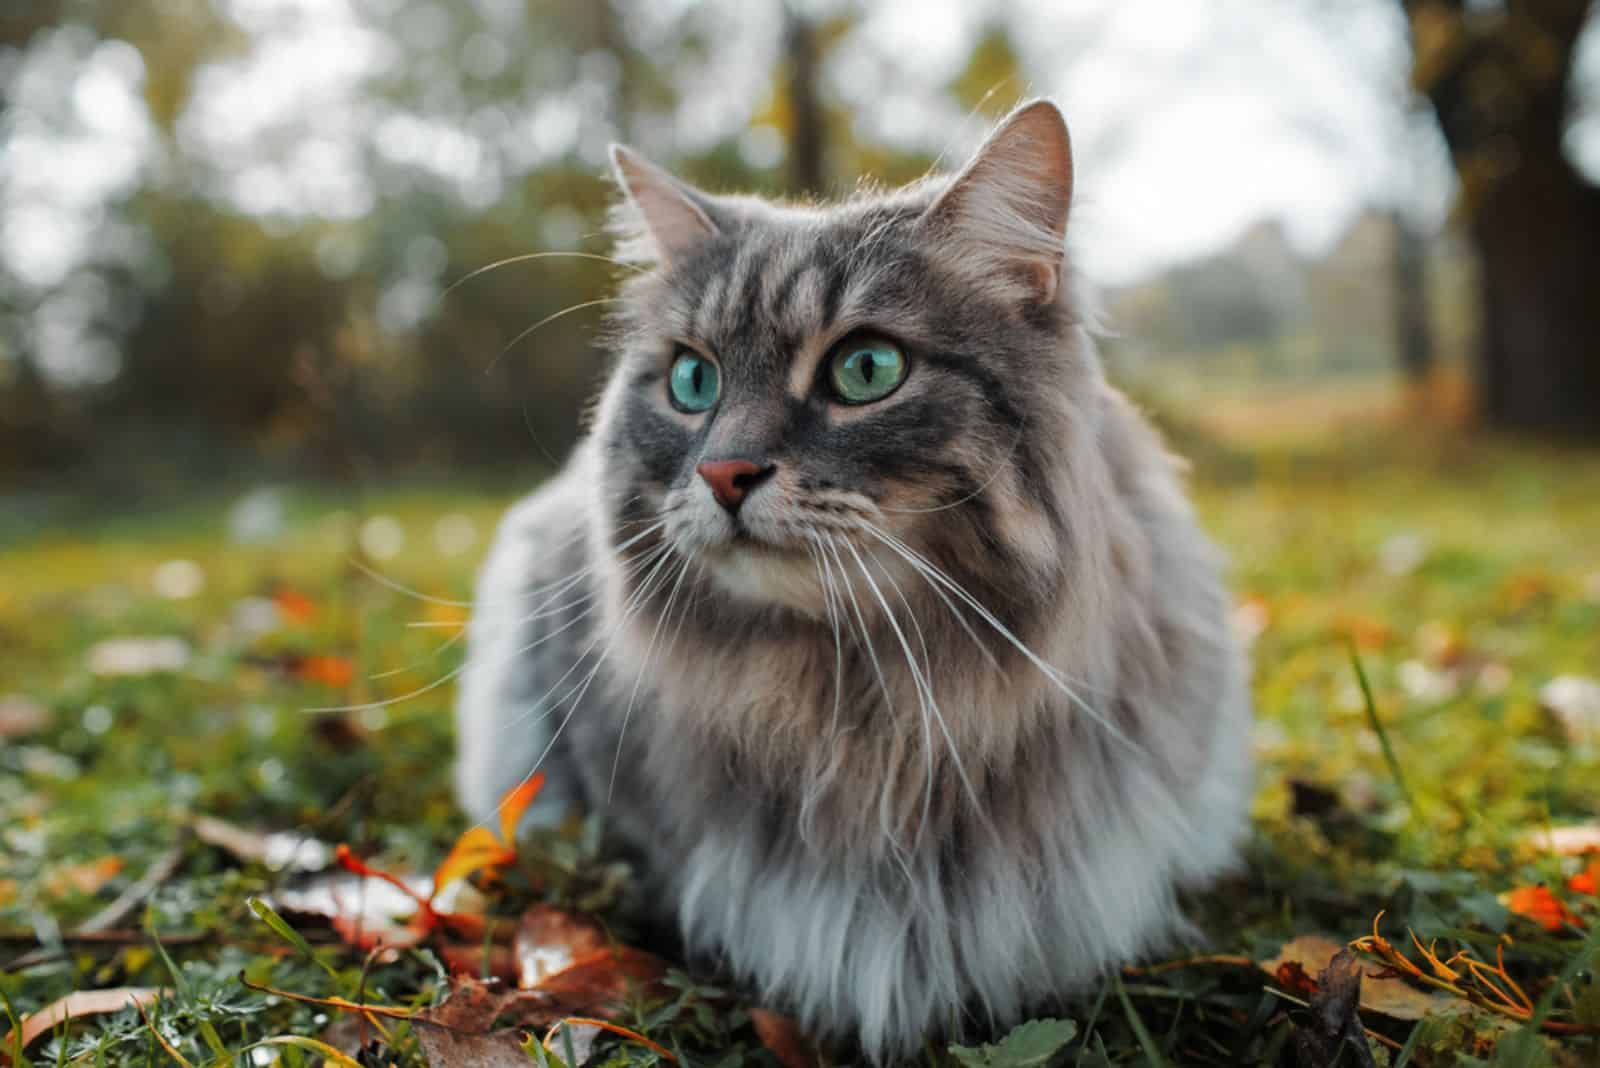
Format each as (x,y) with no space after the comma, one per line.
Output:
(514,804)
(474,851)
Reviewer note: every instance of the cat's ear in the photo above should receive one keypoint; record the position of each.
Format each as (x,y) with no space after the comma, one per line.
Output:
(1005,215)
(659,218)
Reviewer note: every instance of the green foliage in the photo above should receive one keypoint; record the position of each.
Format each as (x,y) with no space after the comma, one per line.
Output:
(1032,1045)
(1456,640)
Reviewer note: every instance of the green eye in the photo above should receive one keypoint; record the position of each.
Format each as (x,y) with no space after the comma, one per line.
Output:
(694,383)
(863,370)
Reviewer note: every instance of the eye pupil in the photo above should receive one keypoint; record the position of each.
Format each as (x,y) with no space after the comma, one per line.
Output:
(866,372)
(693,383)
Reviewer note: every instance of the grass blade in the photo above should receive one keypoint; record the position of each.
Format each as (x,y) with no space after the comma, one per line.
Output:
(1145,1041)
(281,928)
(1377,727)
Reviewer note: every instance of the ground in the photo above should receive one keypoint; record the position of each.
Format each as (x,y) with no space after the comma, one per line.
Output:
(1462,573)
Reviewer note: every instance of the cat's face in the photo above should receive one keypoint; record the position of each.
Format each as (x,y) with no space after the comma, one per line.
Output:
(812,390)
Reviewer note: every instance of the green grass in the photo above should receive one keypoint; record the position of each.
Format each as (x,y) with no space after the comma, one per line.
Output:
(1503,596)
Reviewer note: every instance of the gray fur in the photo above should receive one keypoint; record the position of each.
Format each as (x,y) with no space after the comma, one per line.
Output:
(945,744)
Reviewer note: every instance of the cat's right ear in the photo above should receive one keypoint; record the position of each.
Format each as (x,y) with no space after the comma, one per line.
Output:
(659,219)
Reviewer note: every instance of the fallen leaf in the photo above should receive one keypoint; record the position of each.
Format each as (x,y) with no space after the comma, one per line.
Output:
(21,715)
(1309,955)
(1291,976)
(78,1004)
(276,850)
(1538,904)
(458,1033)
(86,878)
(1571,841)
(515,803)
(295,606)
(476,850)
(1586,881)
(332,671)
(551,940)
(1331,1031)
(782,1035)
(600,984)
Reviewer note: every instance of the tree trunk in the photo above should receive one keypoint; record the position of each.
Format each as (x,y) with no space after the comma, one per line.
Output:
(806,163)
(1538,236)
(1412,326)
(1533,219)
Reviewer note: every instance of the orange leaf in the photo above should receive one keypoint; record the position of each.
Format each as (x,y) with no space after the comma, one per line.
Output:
(295,606)
(1538,904)
(476,850)
(515,803)
(80,1003)
(1586,881)
(334,671)
(86,878)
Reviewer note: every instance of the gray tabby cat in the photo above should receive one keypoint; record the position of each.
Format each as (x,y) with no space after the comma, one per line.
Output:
(873,618)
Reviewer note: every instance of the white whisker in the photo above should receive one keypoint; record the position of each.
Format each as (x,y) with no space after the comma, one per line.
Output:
(933,574)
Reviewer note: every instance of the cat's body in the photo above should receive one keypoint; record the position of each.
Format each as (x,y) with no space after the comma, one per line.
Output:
(918,709)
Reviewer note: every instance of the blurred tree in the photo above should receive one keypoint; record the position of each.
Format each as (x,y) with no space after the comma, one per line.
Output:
(807,162)
(1499,77)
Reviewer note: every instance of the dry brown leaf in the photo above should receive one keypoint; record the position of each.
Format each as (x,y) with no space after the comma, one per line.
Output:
(1385,995)
(82,1003)
(782,1035)
(458,1033)
(1330,1031)
(551,940)
(277,850)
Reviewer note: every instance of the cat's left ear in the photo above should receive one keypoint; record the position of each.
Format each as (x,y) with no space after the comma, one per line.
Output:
(660,219)
(1005,215)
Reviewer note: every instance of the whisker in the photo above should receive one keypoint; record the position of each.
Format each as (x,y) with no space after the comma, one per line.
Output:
(660,553)
(552,317)
(925,696)
(998,469)
(452,641)
(1050,672)
(644,667)
(510,260)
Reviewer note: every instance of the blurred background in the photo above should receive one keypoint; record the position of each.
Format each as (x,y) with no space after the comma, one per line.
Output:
(229,229)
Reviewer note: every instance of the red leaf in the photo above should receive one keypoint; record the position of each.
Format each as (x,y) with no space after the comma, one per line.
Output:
(1586,881)
(1538,904)
(295,606)
(333,671)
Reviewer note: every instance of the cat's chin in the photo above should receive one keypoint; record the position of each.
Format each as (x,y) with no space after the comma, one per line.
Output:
(759,572)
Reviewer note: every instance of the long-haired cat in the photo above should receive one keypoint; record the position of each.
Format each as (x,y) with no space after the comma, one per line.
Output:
(874,620)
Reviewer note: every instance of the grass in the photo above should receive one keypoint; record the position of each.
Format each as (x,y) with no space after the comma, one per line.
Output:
(1464,573)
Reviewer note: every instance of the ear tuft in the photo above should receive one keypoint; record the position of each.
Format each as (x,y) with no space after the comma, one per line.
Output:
(659,218)
(1007,211)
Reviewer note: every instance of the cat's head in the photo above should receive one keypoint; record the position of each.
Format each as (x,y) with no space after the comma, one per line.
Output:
(805,388)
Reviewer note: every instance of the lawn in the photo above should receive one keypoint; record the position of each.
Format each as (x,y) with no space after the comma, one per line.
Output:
(1463,574)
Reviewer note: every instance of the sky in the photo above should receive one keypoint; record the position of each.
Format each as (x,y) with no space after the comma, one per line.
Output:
(1191,120)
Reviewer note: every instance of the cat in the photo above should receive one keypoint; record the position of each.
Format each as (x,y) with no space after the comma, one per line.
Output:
(874,620)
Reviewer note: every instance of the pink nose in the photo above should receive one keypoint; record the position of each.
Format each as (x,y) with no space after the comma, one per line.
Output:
(730,480)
